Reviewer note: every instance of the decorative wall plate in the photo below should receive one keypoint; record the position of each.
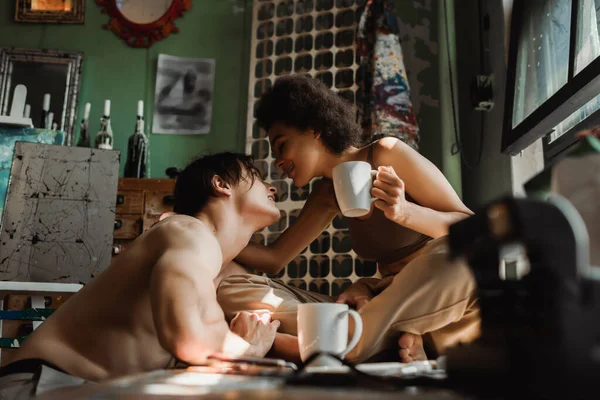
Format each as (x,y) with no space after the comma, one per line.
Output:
(141,23)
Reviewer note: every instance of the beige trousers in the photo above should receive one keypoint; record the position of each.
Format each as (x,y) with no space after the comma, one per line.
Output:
(430,295)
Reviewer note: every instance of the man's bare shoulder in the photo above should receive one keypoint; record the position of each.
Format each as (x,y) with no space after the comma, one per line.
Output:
(182,231)
(187,245)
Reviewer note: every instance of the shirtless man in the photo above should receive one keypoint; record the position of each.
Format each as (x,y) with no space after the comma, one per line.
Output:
(157,301)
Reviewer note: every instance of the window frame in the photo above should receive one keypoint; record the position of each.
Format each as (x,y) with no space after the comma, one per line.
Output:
(578,90)
(555,151)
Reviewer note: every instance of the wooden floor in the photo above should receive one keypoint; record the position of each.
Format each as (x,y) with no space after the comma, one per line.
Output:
(188,384)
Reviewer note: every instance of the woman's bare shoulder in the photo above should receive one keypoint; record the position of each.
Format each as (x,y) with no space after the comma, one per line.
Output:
(388,149)
(387,143)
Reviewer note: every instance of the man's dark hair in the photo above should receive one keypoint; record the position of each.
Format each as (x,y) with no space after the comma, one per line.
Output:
(303,102)
(194,185)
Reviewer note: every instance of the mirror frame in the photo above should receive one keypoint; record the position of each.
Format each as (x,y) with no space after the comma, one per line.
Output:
(143,35)
(74,60)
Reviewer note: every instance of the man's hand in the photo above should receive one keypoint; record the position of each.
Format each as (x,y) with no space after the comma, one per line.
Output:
(358,294)
(257,330)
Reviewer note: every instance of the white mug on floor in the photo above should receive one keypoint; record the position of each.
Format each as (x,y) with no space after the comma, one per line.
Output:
(353,181)
(323,327)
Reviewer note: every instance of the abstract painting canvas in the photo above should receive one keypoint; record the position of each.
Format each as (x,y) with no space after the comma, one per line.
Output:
(59,215)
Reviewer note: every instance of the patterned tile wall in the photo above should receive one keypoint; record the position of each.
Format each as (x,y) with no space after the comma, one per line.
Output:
(315,38)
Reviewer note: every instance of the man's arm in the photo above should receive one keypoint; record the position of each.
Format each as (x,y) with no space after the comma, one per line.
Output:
(186,323)
(188,320)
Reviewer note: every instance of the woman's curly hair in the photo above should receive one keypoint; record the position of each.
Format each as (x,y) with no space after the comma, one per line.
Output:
(304,102)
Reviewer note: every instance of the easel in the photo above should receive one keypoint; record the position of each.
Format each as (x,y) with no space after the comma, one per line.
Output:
(37,313)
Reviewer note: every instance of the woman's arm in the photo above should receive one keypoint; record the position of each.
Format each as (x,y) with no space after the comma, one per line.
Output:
(316,215)
(438,204)
(430,222)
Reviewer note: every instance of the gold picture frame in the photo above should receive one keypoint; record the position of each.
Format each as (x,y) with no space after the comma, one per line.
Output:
(50,11)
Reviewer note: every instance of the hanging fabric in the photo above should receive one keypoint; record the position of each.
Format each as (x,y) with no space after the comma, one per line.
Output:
(384,104)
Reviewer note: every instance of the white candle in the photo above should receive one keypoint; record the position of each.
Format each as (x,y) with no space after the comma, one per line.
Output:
(27,112)
(46,105)
(50,120)
(107,108)
(140,108)
(86,112)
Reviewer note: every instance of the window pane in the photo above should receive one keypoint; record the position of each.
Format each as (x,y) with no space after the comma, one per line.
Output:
(575,118)
(588,41)
(543,55)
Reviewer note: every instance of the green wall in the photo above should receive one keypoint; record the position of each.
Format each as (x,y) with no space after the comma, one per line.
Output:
(487,173)
(211,29)
(125,75)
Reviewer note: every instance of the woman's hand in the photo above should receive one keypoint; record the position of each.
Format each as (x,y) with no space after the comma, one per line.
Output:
(388,188)
(358,294)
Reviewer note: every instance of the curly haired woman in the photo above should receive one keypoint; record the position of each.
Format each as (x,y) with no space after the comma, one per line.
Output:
(421,295)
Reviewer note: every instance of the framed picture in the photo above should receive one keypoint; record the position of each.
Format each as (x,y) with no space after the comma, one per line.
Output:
(184,91)
(50,11)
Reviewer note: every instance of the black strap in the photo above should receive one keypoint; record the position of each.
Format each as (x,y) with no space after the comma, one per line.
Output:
(30,365)
(370,155)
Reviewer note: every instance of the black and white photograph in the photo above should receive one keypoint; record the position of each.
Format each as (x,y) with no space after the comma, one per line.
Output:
(183,100)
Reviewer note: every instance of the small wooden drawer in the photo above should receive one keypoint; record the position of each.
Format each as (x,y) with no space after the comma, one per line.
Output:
(158,203)
(127,227)
(130,202)
(149,221)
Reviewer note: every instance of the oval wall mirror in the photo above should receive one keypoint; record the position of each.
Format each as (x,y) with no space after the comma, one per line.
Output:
(141,23)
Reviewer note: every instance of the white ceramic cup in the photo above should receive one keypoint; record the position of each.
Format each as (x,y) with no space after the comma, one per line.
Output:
(353,181)
(323,327)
